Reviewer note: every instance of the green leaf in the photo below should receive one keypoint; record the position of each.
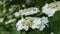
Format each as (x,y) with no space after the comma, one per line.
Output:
(15,31)
(54,23)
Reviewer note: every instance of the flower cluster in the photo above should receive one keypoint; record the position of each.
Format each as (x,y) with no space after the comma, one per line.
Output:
(51,8)
(35,22)
(1,19)
(10,21)
(29,11)
(28,22)
(32,22)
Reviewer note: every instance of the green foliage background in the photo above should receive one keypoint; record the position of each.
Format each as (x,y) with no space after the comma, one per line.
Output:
(54,21)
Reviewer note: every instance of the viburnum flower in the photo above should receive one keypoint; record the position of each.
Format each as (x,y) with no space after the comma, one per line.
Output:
(10,21)
(29,11)
(4,10)
(12,8)
(55,5)
(51,8)
(16,14)
(1,19)
(32,22)
(52,33)
(20,26)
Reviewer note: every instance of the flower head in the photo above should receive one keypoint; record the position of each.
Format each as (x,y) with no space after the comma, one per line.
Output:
(29,11)
(51,8)
(32,22)
(52,33)
(10,21)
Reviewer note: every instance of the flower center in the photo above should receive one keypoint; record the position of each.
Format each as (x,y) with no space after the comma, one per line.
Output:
(28,22)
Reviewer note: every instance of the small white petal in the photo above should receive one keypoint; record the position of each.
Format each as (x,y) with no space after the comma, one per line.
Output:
(29,11)
(19,28)
(16,14)
(19,22)
(32,22)
(50,9)
(10,21)
(25,28)
(52,33)
(1,19)
(42,26)
(44,20)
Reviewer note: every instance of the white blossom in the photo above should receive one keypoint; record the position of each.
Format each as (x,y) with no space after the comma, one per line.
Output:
(12,8)
(29,11)
(10,21)
(16,14)
(4,10)
(49,11)
(32,22)
(44,20)
(20,26)
(10,16)
(1,2)
(40,23)
(55,5)
(36,23)
(23,5)
(1,19)
(51,8)
(52,33)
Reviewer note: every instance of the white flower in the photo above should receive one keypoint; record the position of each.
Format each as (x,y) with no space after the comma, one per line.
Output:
(55,5)
(32,22)
(58,4)
(44,20)
(19,22)
(36,23)
(52,33)
(40,23)
(23,5)
(4,10)
(12,8)
(29,11)
(16,14)
(1,2)
(1,19)
(49,11)
(51,8)
(10,21)
(20,26)
(42,26)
